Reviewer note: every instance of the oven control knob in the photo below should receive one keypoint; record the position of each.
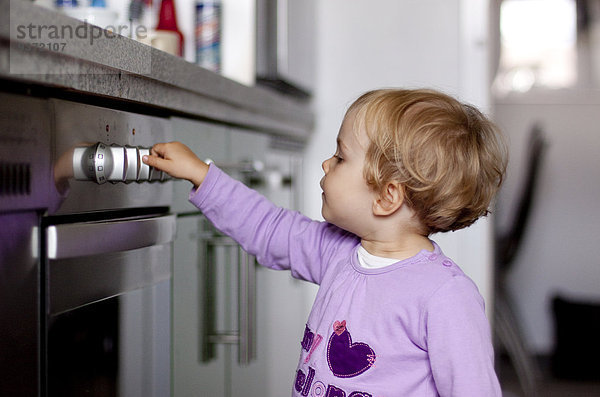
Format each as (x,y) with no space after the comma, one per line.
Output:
(83,163)
(147,173)
(144,169)
(100,163)
(119,164)
(132,167)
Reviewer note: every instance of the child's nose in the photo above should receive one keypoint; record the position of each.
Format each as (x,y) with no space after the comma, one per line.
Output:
(325,165)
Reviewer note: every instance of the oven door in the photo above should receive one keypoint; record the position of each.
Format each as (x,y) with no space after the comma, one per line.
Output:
(108,307)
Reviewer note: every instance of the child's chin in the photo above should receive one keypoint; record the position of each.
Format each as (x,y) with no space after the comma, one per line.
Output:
(325,215)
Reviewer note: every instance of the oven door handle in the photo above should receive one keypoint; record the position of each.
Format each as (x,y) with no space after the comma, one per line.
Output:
(91,261)
(86,239)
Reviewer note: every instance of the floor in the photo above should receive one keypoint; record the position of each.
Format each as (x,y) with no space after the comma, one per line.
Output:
(548,386)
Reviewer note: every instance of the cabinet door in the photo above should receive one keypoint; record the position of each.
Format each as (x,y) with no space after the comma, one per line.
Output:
(192,375)
(281,307)
(207,296)
(246,158)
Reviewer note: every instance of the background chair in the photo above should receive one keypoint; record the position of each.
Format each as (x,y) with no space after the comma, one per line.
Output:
(506,247)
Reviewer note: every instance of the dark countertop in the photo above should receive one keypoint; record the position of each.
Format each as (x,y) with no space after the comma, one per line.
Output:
(92,62)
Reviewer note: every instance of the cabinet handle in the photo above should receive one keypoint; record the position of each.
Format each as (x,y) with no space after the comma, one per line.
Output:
(245,335)
(245,166)
(255,173)
(247,307)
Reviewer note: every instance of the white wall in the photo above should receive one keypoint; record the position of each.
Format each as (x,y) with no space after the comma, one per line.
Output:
(558,252)
(360,46)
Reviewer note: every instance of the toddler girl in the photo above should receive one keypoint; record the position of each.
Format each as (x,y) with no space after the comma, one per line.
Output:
(393,315)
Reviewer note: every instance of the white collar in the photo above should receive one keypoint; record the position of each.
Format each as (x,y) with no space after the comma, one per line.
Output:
(369,261)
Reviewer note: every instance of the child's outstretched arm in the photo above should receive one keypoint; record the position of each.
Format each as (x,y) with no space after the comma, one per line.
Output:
(177,160)
(280,239)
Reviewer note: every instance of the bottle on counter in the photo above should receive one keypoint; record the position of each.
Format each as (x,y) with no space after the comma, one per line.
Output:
(208,34)
(66,4)
(167,31)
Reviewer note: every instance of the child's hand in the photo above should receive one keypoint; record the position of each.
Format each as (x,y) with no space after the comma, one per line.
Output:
(177,160)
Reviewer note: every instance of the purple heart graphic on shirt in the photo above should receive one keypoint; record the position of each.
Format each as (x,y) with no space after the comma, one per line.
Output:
(345,358)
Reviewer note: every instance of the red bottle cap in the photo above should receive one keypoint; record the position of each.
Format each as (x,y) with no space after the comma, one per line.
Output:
(167,20)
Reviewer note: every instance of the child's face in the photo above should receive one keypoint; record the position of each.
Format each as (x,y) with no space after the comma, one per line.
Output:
(347,199)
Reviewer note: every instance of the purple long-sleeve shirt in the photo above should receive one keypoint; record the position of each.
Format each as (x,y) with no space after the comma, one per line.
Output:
(413,328)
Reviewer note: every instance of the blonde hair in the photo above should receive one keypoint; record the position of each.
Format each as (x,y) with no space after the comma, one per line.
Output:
(448,157)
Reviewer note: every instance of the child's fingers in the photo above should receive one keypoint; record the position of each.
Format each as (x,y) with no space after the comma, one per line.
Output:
(177,160)
(159,149)
(159,157)
(153,160)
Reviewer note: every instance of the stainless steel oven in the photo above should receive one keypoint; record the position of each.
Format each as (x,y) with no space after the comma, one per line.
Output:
(107,306)
(88,252)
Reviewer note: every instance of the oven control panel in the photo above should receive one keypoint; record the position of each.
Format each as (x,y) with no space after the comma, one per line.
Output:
(102,163)
(99,150)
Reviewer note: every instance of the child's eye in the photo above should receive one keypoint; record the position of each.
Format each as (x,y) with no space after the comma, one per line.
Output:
(338,158)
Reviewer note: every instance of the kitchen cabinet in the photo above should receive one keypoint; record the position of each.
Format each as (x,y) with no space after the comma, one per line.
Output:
(192,376)
(286,43)
(280,307)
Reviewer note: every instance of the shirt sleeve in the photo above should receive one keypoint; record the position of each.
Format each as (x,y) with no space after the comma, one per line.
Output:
(280,239)
(459,341)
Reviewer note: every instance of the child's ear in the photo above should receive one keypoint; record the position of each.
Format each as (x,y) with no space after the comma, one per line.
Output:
(389,200)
